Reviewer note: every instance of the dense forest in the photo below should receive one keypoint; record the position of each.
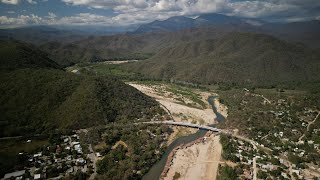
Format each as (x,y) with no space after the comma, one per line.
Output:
(240,58)
(38,96)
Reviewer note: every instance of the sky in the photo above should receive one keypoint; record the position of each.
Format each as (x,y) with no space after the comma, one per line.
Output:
(117,13)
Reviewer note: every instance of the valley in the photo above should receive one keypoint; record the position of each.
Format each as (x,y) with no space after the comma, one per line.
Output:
(99,91)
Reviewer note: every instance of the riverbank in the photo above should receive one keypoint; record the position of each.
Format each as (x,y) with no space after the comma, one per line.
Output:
(195,160)
(182,112)
(221,108)
(192,154)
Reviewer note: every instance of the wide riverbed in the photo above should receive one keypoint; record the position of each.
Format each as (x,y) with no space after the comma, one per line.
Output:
(156,170)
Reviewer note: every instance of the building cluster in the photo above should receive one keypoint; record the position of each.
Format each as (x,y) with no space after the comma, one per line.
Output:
(57,161)
(268,164)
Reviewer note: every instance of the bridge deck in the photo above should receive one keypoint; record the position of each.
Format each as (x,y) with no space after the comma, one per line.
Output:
(186,125)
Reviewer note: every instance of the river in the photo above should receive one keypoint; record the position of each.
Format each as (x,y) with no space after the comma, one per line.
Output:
(156,170)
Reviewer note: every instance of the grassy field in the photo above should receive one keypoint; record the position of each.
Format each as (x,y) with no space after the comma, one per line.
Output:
(103,69)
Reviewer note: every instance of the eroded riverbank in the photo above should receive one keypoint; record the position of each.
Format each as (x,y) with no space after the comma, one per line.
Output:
(191,154)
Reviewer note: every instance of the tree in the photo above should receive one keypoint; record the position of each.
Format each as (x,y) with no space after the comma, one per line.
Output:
(176,176)
(262,175)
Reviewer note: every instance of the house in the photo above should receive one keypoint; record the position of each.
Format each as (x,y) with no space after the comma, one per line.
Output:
(281,134)
(268,166)
(81,161)
(14,174)
(78,148)
(37,176)
(58,150)
(69,158)
(296,171)
(300,142)
(310,142)
(284,175)
(246,174)
(75,143)
(70,170)
(75,136)
(75,71)
(39,154)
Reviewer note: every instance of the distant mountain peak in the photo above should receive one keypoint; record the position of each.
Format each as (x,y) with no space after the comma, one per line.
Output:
(177,23)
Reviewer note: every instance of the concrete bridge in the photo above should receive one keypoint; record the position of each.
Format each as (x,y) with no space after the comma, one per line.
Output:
(203,127)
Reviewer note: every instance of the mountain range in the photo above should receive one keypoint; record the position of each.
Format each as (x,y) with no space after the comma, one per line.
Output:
(241,58)
(181,22)
(38,96)
(306,32)
(210,48)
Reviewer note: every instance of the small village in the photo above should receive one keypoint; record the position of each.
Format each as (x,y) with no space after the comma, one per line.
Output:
(252,159)
(66,157)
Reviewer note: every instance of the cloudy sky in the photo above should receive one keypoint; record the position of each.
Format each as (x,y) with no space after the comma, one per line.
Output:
(128,12)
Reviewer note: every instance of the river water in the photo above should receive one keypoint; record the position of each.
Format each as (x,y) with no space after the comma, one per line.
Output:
(156,170)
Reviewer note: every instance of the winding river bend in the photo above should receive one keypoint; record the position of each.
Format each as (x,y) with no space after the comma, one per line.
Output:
(156,170)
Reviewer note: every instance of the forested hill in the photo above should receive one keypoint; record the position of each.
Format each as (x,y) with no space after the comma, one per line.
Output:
(38,97)
(16,55)
(235,58)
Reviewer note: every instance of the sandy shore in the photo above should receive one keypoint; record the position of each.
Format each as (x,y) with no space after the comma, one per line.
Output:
(199,161)
(180,112)
(119,62)
(221,108)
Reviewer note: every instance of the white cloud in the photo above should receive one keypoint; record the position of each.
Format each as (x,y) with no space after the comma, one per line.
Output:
(142,11)
(51,19)
(128,9)
(85,19)
(21,20)
(51,15)
(32,1)
(255,9)
(14,2)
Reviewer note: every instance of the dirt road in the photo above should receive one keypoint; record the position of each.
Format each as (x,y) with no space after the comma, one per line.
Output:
(92,157)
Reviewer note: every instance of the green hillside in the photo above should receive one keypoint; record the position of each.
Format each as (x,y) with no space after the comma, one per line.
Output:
(242,58)
(21,55)
(95,49)
(37,96)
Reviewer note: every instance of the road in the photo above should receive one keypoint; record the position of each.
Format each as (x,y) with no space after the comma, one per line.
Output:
(309,124)
(93,158)
(185,124)
(254,168)
(313,121)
